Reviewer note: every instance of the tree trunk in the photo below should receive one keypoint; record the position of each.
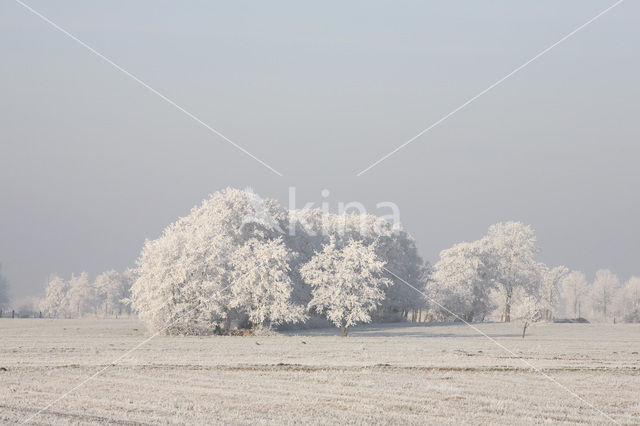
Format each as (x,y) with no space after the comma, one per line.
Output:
(524,329)
(345,330)
(507,305)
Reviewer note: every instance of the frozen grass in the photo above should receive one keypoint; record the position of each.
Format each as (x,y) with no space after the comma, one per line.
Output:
(398,373)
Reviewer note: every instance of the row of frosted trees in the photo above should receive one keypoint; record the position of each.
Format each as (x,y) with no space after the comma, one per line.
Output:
(107,296)
(498,277)
(240,261)
(606,298)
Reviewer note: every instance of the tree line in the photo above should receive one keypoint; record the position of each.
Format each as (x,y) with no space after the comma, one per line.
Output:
(240,261)
(498,277)
(107,296)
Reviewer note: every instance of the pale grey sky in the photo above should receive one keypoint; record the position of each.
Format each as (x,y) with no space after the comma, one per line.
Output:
(91,163)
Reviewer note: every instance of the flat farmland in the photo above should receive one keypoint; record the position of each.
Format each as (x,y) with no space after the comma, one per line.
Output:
(392,373)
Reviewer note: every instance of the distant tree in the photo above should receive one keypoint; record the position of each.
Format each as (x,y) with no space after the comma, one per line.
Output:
(630,300)
(550,289)
(55,302)
(129,276)
(460,284)
(602,293)
(575,290)
(81,295)
(348,283)
(527,308)
(509,256)
(112,289)
(632,292)
(470,276)
(78,296)
(4,290)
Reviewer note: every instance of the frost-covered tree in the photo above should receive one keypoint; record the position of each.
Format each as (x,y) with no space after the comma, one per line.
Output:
(81,297)
(348,283)
(471,276)
(632,292)
(182,281)
(78,296)
(4,290)
(185,277)
(262,287)
(601,296)
(630,300)
(550,289)
(313,228)
(575,290)
(460,284)
(527,308)
(55,302)
(398,250)
(509,254)
(112,289)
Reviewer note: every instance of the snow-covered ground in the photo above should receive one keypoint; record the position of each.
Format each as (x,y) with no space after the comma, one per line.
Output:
(398,373)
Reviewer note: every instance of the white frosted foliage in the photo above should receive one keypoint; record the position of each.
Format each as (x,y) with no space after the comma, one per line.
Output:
(348,283)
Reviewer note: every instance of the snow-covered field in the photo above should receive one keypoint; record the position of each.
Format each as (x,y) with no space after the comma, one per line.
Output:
(398,373)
